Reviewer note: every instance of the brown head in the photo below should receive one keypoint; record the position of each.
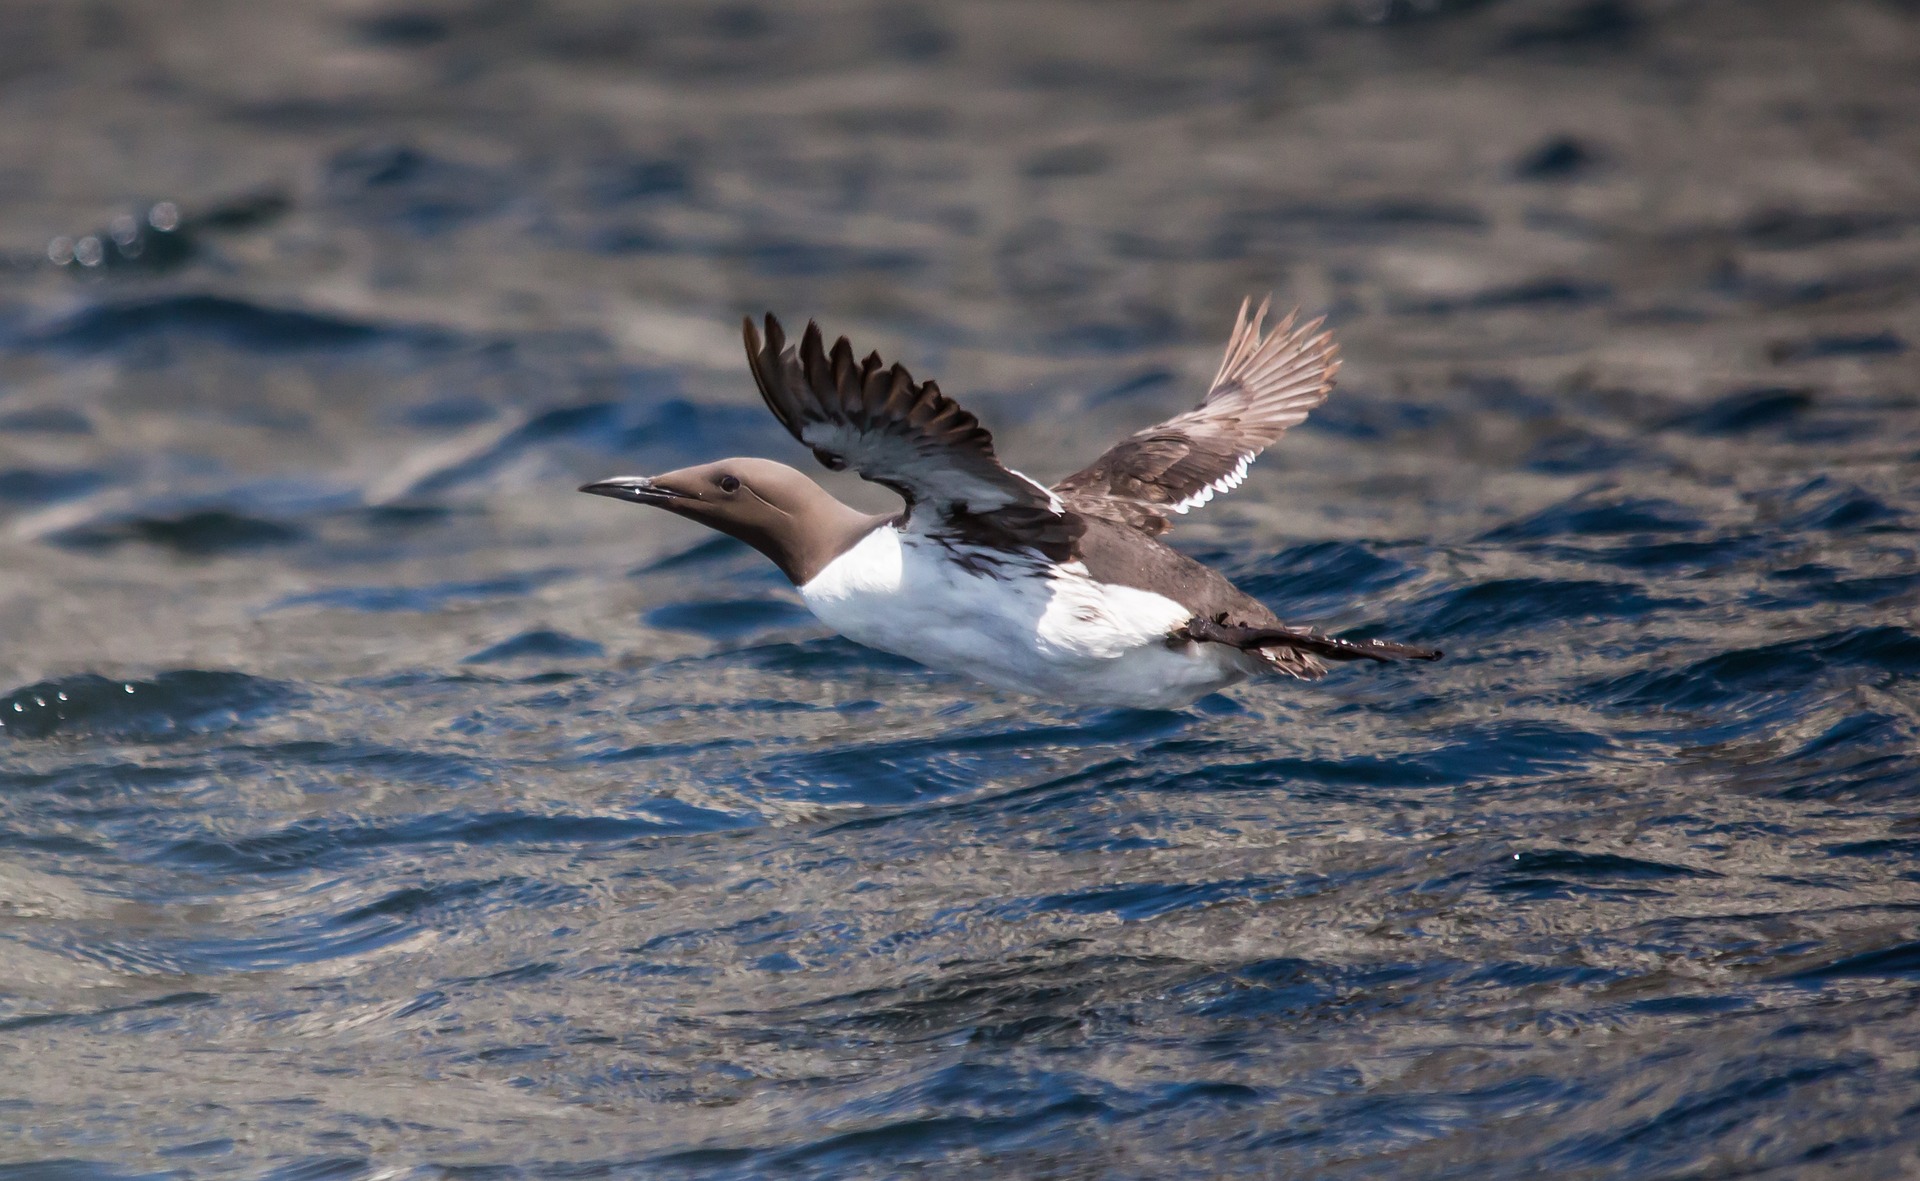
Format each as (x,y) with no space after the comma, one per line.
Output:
(768,505)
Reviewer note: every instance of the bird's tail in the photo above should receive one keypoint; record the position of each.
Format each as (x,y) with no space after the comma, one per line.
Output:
(1219,631)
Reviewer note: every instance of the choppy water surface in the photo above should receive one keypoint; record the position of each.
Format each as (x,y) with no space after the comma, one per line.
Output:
(372,803)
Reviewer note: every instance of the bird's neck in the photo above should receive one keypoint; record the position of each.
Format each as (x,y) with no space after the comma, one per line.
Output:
(812,535)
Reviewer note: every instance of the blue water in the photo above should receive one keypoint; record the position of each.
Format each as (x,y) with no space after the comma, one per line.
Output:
(373,805)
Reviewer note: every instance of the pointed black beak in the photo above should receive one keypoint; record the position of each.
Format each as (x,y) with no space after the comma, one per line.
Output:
(635,489)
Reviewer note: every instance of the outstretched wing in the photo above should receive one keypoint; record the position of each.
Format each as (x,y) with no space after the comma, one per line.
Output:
(1265,385)
(909,436)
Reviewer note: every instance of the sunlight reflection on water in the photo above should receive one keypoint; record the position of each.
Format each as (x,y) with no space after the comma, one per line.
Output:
(373,803)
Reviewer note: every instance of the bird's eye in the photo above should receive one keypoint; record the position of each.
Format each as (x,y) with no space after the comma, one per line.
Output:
(729,484)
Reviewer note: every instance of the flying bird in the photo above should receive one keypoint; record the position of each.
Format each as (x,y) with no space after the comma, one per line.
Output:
(1065,593)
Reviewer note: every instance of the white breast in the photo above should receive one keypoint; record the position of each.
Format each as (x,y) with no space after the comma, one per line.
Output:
(1020,624)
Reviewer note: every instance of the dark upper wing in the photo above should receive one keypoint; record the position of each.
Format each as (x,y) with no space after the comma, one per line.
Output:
(1265,385)
(908,436)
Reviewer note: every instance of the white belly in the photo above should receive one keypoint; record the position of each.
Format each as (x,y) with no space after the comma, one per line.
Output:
(1061,636)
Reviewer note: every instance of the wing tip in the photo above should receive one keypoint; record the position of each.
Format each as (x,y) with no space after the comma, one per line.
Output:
(1289,357)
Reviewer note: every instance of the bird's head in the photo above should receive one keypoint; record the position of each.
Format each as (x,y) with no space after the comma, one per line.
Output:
(770,506)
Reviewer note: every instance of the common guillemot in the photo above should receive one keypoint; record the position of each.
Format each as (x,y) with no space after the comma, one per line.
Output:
(1065,592)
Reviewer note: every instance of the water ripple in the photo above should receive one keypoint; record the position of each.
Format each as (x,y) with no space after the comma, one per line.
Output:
(372,804)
